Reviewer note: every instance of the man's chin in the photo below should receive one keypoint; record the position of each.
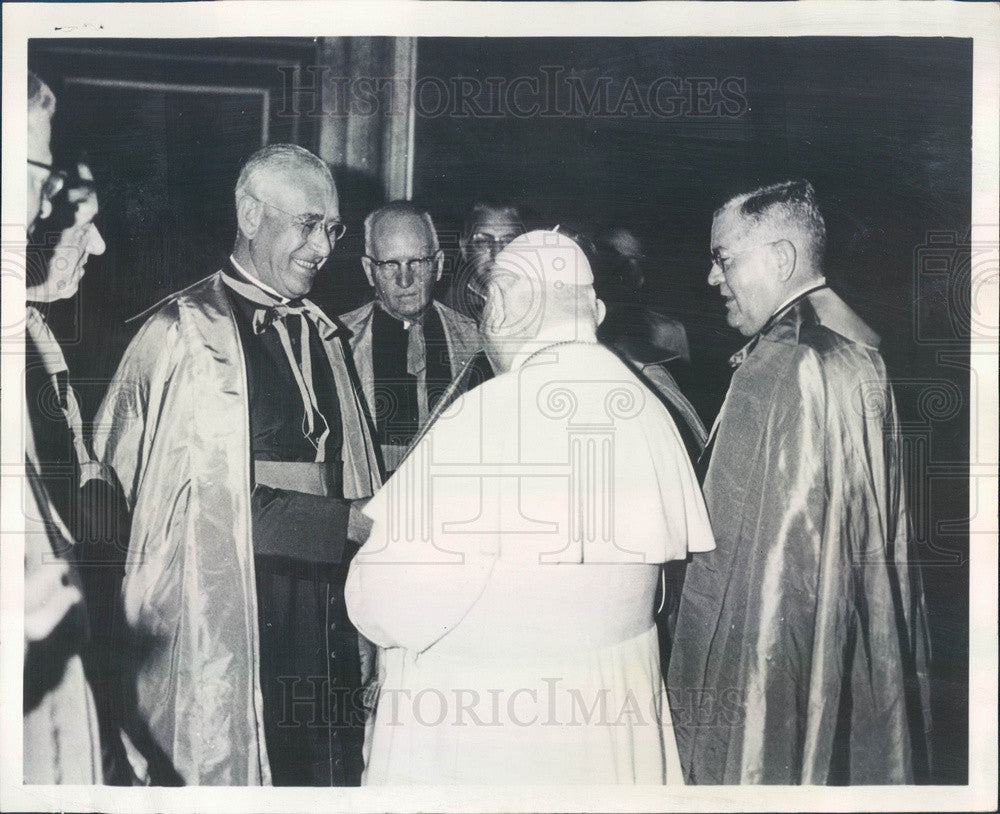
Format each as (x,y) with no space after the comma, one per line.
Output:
(407,310)
(739,323)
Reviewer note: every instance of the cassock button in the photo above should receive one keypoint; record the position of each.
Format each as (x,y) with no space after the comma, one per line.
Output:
(333,625)
(333,654)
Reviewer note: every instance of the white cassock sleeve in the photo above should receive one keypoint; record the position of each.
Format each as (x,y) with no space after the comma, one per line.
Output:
(415,578)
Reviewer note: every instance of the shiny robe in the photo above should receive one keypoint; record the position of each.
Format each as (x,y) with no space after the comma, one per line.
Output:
(175,429)
(61,738)
(801,643)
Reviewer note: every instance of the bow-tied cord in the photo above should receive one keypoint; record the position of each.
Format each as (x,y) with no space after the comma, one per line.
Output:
(301,370)
(270,313)
(266,315)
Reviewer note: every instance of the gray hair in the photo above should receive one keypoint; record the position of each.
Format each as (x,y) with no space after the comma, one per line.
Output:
(277,157)
(789,203)
(404,208)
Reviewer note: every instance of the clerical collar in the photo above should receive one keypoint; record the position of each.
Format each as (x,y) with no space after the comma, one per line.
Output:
(246,275)
(407,323)
(805,291)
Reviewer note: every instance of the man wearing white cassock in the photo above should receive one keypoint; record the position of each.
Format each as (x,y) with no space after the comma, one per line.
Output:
(514,559)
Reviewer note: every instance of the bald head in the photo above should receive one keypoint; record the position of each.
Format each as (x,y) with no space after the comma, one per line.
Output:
(540,290)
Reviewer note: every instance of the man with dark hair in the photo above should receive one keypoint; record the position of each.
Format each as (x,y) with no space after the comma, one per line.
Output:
(801,645)
(240,436)
(488,227)
(407,346)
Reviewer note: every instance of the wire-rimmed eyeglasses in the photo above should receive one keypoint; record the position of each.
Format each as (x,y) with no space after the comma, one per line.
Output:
(334,229)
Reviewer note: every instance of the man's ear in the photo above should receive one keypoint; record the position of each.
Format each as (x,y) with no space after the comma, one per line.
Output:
(601,310)
(785,257)
(463,248)
(249,212)
(366,264)
(440,265)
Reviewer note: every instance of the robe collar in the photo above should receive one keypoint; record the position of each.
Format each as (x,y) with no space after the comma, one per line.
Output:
(250,278)
(741,355)
(544,340)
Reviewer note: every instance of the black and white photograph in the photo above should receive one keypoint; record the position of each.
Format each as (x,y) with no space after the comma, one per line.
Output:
(500,406)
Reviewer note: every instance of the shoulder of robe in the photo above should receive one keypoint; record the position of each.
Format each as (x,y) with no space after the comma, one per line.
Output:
(355,320)
(828,322)
(461,328)
(168,305)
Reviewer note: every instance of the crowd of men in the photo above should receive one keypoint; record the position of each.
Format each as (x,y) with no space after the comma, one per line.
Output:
(477,539)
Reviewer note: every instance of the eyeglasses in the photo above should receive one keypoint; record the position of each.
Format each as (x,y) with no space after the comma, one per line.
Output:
(54,182)
(487,242)
(333,229)
(726,263)
(418,265)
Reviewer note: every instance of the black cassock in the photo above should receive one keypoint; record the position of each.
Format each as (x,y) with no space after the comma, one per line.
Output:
(309,661)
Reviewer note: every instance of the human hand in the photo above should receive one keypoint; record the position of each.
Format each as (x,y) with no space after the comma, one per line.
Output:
(49,594)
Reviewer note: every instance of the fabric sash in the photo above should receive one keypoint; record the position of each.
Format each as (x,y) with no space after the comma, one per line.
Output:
(362,468)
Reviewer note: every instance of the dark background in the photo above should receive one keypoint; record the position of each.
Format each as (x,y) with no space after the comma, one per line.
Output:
(881,126)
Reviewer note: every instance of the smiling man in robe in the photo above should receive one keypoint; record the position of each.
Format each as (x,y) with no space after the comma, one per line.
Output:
(801,645)
(240,439)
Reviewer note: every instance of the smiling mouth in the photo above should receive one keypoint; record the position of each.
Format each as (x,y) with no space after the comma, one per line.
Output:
(308,265)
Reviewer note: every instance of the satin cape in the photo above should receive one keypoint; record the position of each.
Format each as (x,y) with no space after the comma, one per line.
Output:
(801,642)
(174,427)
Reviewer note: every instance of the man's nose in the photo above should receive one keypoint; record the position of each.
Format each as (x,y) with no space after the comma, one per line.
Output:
(319,241)
(95,242)
(404,279)
(715,276)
